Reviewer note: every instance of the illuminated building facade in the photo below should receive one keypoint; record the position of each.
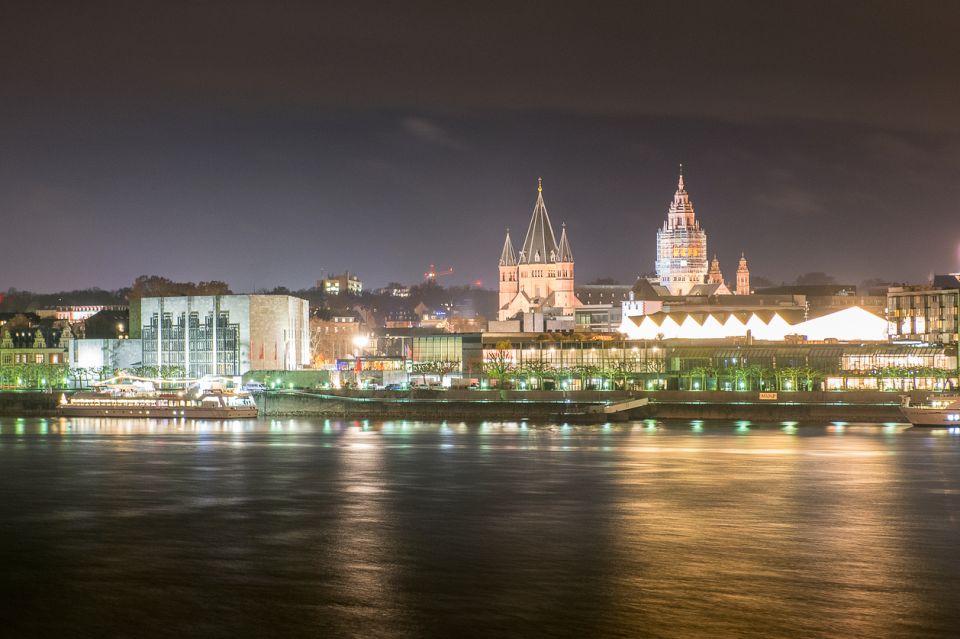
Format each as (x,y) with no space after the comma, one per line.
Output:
(224,335)
(928,314)
(681,245)
(345,284)
(32,346)
(715,276)
(743,277)
(540,278)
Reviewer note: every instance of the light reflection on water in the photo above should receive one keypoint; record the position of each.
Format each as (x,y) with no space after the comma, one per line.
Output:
(313,528)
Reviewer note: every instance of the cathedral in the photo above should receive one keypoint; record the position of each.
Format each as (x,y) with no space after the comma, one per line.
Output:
(681,245)
(540,278)
(682,253)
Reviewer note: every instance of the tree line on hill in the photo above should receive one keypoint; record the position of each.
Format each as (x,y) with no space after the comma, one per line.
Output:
(428,293)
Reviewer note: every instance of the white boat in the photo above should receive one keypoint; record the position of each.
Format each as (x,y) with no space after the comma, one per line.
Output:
(142,399)
(937,411)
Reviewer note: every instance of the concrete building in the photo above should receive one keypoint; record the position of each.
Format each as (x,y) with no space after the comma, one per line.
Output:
(347,283)
(598,318)
(540,279)
(111,354)
(224,335)
(929,314)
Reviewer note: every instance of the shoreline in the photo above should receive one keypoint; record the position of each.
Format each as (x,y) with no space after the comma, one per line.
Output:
(575,407)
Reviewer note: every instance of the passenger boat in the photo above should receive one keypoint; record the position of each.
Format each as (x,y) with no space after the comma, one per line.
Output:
(136,397)
(937,411)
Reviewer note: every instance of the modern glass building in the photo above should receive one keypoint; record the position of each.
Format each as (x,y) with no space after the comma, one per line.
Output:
(924,314)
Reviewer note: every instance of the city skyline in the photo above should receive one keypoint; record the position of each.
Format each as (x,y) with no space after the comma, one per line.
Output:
(169,142)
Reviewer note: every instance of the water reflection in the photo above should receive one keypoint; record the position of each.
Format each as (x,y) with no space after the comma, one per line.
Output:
(298,527)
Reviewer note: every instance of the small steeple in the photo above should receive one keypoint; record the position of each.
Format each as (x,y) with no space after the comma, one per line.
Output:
(507,256)
(539,185)
(566,254)
(680,185)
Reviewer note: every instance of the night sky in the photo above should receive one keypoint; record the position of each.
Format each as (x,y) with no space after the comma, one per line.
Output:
(262,142)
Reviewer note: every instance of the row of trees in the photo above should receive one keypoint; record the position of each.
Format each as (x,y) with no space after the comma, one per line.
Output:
(500,367)
(34,375)
(754,378)
(42,376)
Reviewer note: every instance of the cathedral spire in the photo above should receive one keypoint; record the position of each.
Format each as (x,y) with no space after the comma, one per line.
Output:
(566,254)
(507,256)
(680,186)
(540,245)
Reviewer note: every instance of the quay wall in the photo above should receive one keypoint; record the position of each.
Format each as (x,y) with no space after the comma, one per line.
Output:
(28,404)
(546,405)
(541,405)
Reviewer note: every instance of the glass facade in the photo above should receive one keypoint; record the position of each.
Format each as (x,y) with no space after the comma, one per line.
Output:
(192,345)
(931,315)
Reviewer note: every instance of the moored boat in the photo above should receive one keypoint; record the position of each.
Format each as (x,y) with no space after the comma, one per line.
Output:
(142,399)
(936,411)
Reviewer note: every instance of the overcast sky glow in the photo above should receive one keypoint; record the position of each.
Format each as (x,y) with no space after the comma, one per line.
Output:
(261,144)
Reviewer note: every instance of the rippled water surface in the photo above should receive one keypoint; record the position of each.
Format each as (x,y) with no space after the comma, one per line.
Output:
(405,529)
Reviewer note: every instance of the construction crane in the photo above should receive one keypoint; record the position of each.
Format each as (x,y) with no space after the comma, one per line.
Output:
(433,274)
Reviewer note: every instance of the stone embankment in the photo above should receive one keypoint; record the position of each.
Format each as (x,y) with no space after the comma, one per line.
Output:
(28,404)
(578,405)
(573,406)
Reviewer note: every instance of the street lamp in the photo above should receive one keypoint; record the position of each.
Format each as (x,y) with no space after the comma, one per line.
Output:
(360,342)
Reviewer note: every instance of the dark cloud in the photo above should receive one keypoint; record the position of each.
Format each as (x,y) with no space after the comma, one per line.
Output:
(260,142)
(877,63)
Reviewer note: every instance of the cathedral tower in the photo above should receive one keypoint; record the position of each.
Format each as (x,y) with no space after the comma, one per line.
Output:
(681,245)
(743,277)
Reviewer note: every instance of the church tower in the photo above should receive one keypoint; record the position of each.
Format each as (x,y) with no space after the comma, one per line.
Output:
(681,245)
(743,277)
(508,272)
(563,284)
(541,276)
(715,276)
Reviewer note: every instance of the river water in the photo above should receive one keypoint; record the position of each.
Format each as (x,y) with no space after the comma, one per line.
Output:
(403,529)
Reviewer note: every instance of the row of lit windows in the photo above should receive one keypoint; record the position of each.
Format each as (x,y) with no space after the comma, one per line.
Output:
(542,273)
(683,251)
(32,358)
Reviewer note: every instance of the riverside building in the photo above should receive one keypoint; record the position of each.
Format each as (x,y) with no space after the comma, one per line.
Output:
(929,314)
(223,335)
